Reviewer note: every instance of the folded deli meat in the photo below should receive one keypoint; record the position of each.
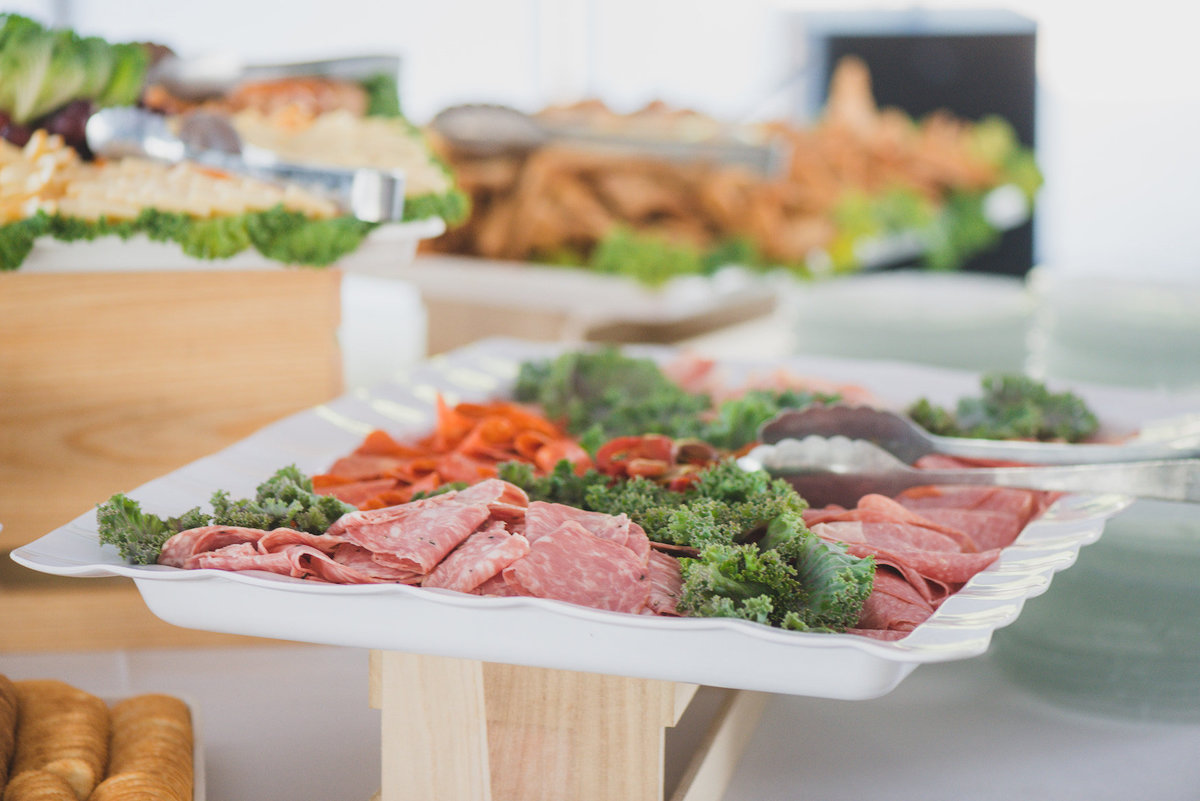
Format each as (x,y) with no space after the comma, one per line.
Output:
(487,539)
(490,540)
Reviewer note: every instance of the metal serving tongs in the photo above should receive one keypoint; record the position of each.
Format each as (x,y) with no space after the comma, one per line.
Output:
(209,139)
(1174,438)
(481,129)
(839,470)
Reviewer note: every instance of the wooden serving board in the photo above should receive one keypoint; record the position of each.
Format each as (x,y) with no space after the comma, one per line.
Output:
(111,379)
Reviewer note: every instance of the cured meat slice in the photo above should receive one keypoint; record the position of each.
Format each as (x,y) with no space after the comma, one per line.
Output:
(357,493)
(360,567)
(496,586)
(182,546)
(881,509)
(950,567)
(666,582)
(362,466)
(292,560)
(505,501)
(415,536)
(282,537)
(888,534)
(544,518)
(989,529)
(1023,504)
(480,557)
(572,564)
(893,605)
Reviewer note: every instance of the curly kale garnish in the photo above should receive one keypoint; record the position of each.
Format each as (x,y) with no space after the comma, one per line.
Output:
(285,500)
(1011,407)
(754,556)
(601,395)
(737,420)
(800,582)
(138,535)
(604,394)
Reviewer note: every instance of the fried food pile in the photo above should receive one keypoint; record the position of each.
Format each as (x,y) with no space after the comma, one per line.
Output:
(859,171)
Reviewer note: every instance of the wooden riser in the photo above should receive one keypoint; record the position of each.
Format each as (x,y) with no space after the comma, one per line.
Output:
(462,730)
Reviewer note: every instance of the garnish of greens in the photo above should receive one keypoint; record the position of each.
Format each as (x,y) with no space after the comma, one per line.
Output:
(284,500)
(1011,407)
(752,555)
(288,237)
(604,394)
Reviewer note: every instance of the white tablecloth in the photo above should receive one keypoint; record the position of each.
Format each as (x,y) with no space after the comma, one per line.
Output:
(292,723)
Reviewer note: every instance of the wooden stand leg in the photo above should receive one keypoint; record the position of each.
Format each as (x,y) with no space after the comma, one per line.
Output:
(471,731)
(434,731)
(555,734)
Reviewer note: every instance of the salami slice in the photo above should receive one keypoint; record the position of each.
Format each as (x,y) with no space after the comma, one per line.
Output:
(415,536)
(359,566)
(572,564)
(881,509)
(496,586)
(283,537)
(666,582)
(505,501)
(1023,504)
(179,548)
(480,557)
(893,605)
(543,518)
(888,535)
(357,493)
(949,567)
(291,560)
(989,529)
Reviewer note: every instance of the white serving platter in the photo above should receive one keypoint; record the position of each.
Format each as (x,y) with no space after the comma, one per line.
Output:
(543,633)
(386,249)
(589,299)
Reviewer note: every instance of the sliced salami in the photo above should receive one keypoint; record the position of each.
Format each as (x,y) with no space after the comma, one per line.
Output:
(415,536)
(496,587)
(543,518)
(666,582)
(359,566)
(572,564)
(480,557)
(179,548)
(893,605)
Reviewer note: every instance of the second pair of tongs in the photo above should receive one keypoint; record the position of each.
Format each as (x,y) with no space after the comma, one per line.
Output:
(369,194)
(838,470)
(1175,438)
(837,454)
(483,130)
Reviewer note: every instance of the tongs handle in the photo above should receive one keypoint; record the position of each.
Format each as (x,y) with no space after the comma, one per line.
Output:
(1163,479)
(371,195)
(1064,453)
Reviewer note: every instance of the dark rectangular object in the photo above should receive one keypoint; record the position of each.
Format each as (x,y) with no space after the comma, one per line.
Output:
(972,63)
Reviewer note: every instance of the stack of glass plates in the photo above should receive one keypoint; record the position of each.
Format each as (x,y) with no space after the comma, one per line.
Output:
(1119,633)
(970,321)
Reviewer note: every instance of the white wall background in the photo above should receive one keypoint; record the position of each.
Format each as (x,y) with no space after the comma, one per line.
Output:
(1118,109)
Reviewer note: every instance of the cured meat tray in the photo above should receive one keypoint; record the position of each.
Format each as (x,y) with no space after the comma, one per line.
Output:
(542,633)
